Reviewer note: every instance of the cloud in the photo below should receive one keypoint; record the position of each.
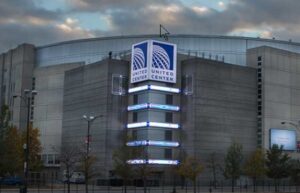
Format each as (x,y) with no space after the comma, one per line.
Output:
(106,5)
(35,24)
(32,24)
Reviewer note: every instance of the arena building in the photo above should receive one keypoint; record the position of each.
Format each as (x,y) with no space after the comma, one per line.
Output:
(193,94)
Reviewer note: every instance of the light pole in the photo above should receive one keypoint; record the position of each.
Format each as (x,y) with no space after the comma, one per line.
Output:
(89,120)
(27,100)
(296,125)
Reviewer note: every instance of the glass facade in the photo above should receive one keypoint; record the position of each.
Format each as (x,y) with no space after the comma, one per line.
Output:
(222,48)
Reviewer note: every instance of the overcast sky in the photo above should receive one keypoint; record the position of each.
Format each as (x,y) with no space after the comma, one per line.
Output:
(48,21)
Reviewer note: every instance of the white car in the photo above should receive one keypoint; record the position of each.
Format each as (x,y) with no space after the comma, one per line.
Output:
(76,177)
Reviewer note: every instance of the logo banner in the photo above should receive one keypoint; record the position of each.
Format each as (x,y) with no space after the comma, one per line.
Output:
(153,60)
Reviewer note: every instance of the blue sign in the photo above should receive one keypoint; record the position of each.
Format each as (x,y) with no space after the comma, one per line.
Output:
(140,56)
(283,137)
(162,57)
(153,60)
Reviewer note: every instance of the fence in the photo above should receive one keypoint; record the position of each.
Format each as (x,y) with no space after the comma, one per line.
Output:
(93,188)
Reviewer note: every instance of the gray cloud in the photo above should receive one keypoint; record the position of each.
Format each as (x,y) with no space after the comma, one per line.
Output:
(23,21)
(106,5)
(18,9)
(29,23)
(271,17)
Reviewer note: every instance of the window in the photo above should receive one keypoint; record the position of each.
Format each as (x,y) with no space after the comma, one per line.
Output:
(134,117)
(259,58)
(168,135)
(119,84)
(135,99)
(56,160)
(134,134)
(169,99)
(31,113)
(187,84)
(44,158)
(50,159)
(169,117)
(33,83)
(168,153)
(259,96)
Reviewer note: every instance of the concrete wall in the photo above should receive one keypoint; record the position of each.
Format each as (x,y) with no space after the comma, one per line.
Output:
(87,91)
(280,88)
(16,68)
(48,106)
(221,110)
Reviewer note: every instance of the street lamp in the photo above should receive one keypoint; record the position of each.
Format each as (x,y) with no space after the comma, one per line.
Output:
(89,120)
(296,125)
(27,100)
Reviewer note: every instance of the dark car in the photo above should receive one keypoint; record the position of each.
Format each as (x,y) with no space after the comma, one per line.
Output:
(11,180)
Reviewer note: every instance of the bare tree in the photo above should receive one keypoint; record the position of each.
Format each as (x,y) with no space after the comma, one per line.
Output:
(191,168)
(213,166)
(143,170)
(233,163)
(87,163)
(69,158)
(120,157)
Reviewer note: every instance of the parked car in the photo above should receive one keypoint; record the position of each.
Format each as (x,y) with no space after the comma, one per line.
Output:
(76,178)
(11,180)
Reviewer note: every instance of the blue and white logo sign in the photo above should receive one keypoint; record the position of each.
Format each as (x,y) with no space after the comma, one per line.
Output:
(139,57)
(153,60)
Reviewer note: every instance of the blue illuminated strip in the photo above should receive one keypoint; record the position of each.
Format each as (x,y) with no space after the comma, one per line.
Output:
(137,89)
(153,143)
(153,161)
(137,107)
(163,88)
(137,161)
(136,125)
(163,143)
(152,124)
(154,87)
(164,125)
(163,162)
(137,143)
(164,107)
(153,106)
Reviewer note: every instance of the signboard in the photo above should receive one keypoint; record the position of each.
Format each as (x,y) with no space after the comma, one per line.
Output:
(153,60)
(283,137)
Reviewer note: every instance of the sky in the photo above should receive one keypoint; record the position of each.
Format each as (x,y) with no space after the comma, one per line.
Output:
(42,22)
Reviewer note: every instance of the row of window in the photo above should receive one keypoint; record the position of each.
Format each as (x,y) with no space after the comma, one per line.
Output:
(32,100)
(50,159)
(168,117)
(259,101)
(168,137)
(169,99)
